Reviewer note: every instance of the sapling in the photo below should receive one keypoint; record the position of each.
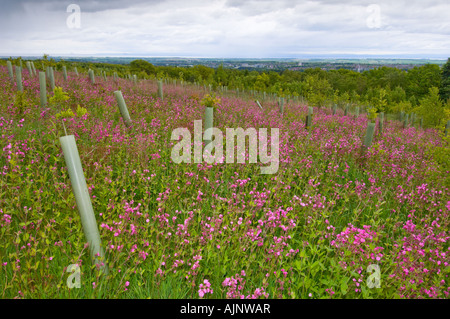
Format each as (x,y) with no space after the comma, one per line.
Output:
(83,200)
(123,108)
(43,88)
(52,78)
(309,118)
(259,104)
(58,98)
(10,70)
(381,122)
(19,79)
(34,68)
(91,76)
(210,102)
(281,104)
(64,72)
(160,90)
(369,135)
(30,70)
(405,121)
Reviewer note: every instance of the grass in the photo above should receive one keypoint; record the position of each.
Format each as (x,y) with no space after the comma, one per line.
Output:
(167,227)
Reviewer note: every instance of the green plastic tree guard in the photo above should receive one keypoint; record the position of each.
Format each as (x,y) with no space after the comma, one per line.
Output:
(369,135)
(91,76)
(346,110)
(160,90)
(64,72)
(381,122)
(357,112)
(209,123)
(281,104)
(10,70)
(43,88)
(447,128)
(19,79)
(309,118)
(83,200)
(334,109)
(123,108)
(30,70)
(76,70)
(259,104)
(52,79)
(33,67)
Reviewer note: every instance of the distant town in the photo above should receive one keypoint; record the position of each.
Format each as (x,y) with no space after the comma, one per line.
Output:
(358,65)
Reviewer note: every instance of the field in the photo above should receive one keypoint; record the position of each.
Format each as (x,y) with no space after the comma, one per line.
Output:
(207,231)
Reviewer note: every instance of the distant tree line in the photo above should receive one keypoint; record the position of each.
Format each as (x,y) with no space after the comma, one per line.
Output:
(424,90)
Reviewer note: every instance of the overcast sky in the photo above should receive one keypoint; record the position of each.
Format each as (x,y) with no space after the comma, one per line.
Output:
(227,28)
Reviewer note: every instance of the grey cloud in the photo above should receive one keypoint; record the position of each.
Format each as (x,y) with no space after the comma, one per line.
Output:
(14,6)
(257,28)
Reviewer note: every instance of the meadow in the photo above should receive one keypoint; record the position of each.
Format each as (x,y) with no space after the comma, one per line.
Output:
(214,231)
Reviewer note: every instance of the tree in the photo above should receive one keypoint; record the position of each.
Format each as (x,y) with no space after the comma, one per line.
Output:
(377,98)
(203,72)
(220,76)
(444,90)
(140,65)
(431,108)
(421,79)
(317,90)
(262,82)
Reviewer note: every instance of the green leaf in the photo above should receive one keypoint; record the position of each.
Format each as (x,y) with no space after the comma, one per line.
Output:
(344,287)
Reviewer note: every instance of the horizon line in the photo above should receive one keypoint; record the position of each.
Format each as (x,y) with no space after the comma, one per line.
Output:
(319,56)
